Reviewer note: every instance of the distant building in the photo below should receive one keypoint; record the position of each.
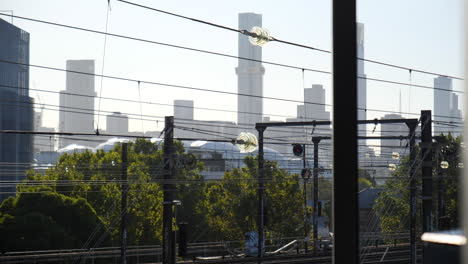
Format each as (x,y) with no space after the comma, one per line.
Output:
(362,82)
(249,74)
(16,107)
(43,142)
(117,124)
(446,109)
(314,109)
(77,102)
(187,127)
(388,146)
(183,110)
(314,106)
(220,157)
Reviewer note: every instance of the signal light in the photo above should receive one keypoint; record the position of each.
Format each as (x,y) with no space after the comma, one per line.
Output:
(297,149)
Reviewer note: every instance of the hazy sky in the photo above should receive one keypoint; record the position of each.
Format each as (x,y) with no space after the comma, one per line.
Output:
(423,34)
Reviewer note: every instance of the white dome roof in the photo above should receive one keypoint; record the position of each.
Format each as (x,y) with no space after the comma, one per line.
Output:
(231,151)
(109,144)
(74,148)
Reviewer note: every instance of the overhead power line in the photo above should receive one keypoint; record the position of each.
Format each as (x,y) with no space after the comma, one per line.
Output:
(411,84)
(205,89)
(207,124)
(167,44)
(240,31)
(69,134)
(232,56)
(161,84)
(143,102)
(245,32)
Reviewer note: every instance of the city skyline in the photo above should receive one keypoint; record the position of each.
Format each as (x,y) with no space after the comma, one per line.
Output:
(145,128)
(216,73)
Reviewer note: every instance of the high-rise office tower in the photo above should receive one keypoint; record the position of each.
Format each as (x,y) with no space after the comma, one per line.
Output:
(16,107)
(362,83)
(117,124)
(445,106)
(249,74)
(77,101)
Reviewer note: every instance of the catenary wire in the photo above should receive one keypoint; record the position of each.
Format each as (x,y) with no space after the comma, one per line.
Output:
(204,89)
(210,52)
(283,41)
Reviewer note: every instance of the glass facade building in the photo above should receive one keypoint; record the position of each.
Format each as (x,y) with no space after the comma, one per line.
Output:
(16,107)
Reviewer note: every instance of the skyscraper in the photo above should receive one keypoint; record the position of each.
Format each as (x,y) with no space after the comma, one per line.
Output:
(16,107)
(445,106)
(77,101)
(249,74)
(362,82)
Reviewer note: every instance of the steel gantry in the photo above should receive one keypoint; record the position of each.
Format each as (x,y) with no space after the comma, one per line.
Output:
(341,202)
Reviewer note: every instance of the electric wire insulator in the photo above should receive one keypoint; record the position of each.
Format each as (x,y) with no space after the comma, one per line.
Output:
(262,36)
(444,164)
(246,142)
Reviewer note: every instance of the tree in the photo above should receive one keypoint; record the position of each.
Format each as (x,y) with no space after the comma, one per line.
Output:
(231,204)
(46,220)
(392,206)
(450,151)
(96,178)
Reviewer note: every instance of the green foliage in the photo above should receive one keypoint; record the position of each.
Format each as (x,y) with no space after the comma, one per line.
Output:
(46,220)
(96,178)
(392,206)
(451,152)
(231,205)
(86,185)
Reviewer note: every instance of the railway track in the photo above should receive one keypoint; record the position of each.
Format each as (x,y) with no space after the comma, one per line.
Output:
(152,254)
(388,254)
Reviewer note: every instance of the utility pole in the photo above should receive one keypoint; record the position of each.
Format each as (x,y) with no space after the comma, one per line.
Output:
(305,179)
(261,194)
(426,152)
(123,213)
(316,141)
(412,178)
(168,189)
